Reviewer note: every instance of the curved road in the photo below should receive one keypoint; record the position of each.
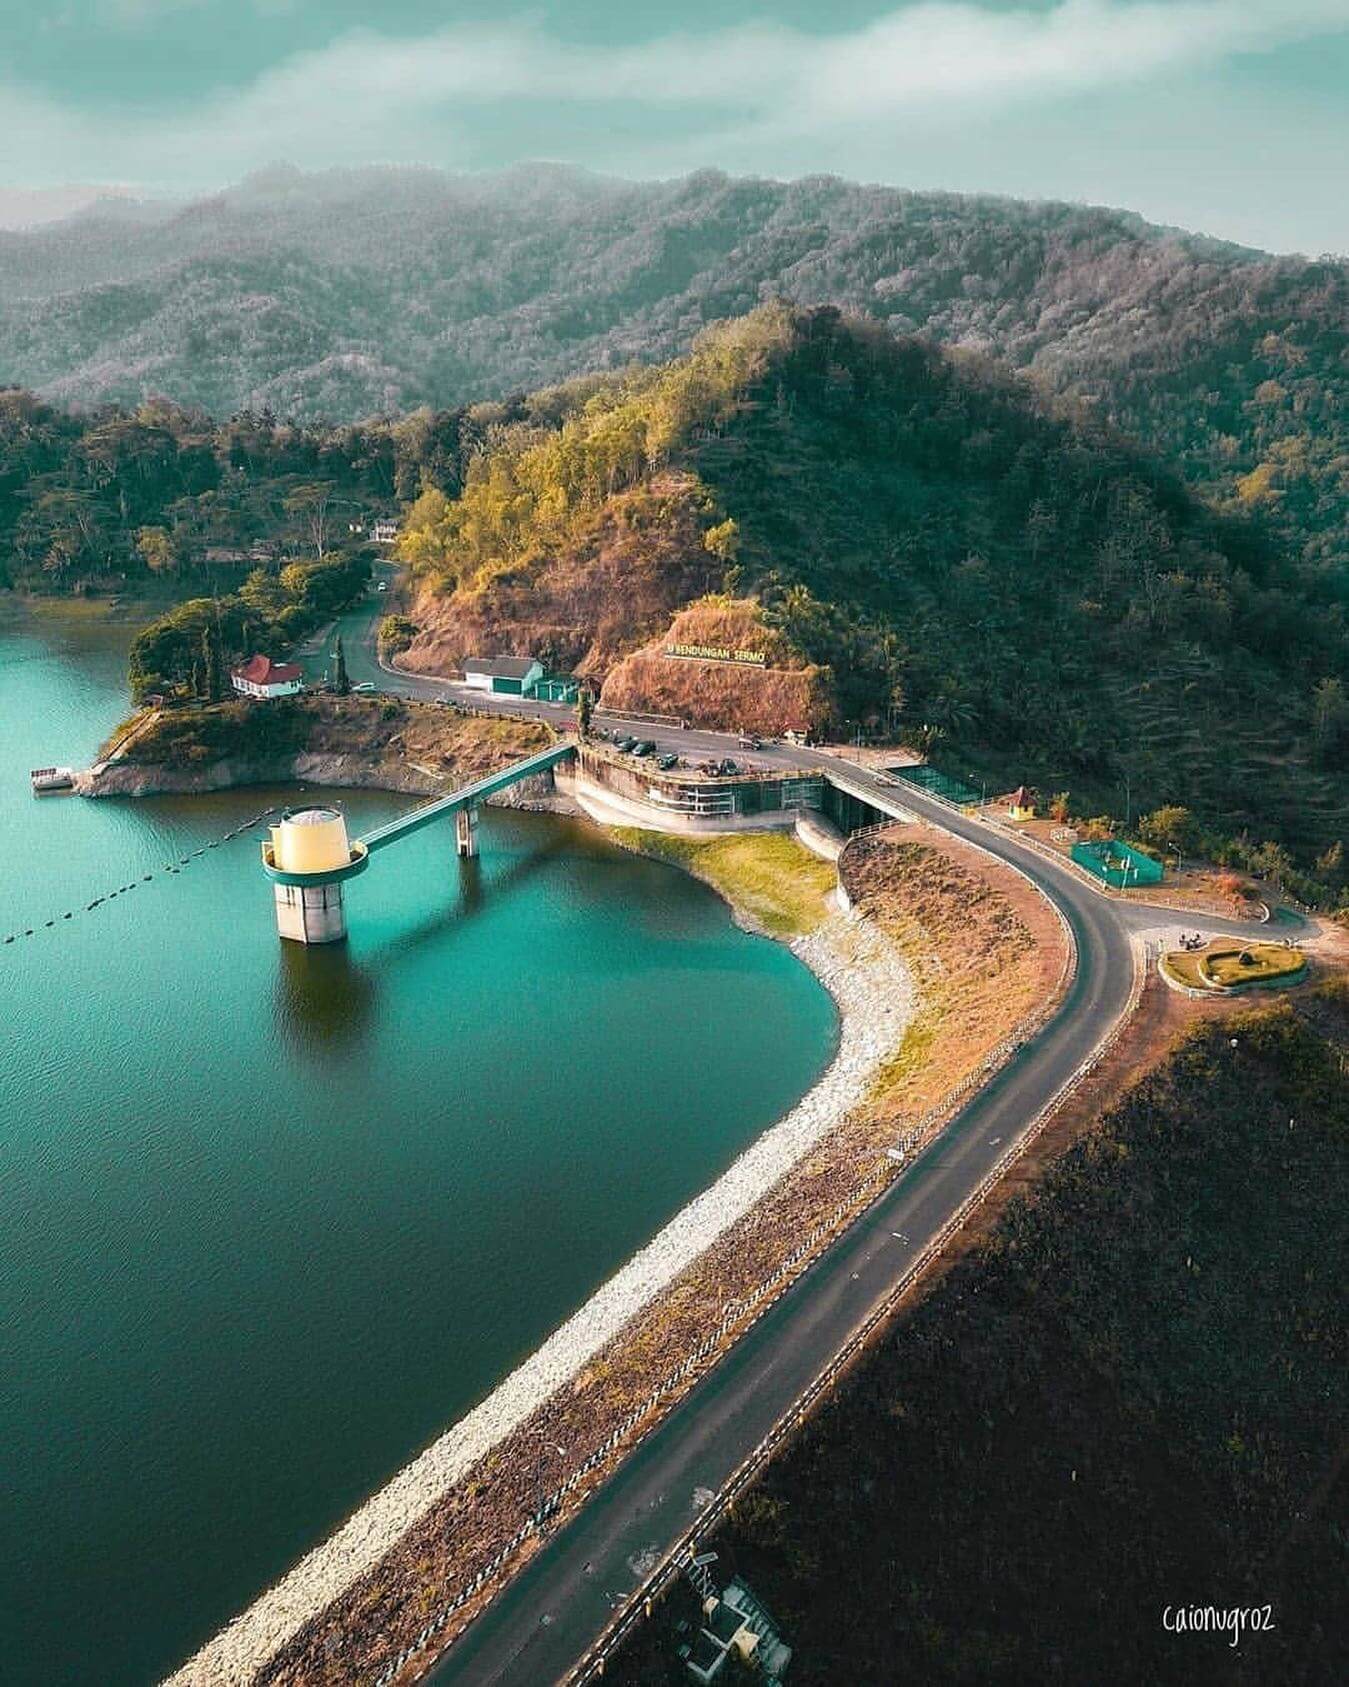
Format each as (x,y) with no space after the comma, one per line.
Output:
(542,1623)
(556,1607)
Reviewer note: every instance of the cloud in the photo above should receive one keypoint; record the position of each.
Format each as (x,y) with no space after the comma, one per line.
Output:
(370,96)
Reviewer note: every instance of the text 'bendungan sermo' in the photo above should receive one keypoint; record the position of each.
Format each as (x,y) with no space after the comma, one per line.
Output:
(715,653)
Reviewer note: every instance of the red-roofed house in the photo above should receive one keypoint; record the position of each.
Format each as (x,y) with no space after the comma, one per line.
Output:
(1021,804)
(261,677)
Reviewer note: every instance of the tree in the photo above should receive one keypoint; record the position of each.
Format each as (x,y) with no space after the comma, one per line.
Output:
(895,701)
(310,502)
(340,682)
(210,664)
(156,549)
(426,538)
(1330,716)
(952,713)
(1273,861)
(584,707)
(1330,863)
(1058,807)
(723,540)
(1169,828)
(396,633)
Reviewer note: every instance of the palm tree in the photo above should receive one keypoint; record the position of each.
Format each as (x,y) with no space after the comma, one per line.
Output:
(952,713)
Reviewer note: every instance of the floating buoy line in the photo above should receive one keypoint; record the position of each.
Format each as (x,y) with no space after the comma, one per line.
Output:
(166,871)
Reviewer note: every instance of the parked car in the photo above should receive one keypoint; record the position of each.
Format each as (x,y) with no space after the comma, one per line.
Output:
(728,766)
(751,743)
(365,685)
(383,586)
(624,744)
(666,762)
(643,747)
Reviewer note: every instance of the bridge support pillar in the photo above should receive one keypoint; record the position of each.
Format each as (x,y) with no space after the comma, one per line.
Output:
(466,832)
(311,913)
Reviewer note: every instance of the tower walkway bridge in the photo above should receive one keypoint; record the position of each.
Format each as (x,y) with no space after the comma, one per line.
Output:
(468,797)
(309,857)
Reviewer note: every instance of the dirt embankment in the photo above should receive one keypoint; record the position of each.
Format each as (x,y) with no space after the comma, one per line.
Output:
(384,743)
(967,923)
(986,947)
(603,592)
(781,693)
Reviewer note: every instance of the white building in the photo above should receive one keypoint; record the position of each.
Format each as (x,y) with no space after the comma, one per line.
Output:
(384,532)
(261,677)
(513,675)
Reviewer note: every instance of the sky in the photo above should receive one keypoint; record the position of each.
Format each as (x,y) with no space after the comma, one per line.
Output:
(1226,116)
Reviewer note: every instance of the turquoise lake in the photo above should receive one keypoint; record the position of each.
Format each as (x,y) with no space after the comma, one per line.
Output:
(272,1218)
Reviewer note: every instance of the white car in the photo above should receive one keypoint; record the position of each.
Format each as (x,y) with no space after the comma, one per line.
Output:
(383,586)
(365,685)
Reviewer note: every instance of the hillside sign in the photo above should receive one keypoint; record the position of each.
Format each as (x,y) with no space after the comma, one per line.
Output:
(717,653)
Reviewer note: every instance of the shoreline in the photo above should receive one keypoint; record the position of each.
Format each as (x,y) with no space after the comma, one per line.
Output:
(337,770)
(873,992)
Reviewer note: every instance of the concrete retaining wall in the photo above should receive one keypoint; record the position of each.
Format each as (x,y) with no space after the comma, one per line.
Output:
(609,808)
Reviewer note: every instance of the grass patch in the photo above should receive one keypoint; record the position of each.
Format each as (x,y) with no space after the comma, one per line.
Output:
(768,876)
(896,1074)
(1182,967)
(1232,966)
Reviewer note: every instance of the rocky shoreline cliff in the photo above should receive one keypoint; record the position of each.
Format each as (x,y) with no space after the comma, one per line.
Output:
(416,748)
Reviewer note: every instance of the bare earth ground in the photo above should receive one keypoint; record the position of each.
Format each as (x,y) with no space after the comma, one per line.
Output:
(986,947)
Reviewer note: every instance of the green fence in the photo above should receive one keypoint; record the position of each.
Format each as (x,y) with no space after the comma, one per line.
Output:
(929,778)
(555,690)
(1117,864)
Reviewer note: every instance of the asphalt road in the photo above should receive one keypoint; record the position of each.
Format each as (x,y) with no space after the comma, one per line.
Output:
(549,1615)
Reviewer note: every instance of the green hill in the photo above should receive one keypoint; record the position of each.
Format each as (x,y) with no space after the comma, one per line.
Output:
(351,293)
(1042,600)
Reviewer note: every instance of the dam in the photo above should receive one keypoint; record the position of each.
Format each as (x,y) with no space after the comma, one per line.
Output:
(276,1214)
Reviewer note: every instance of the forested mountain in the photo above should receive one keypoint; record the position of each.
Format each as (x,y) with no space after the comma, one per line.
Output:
(347,294)
(96,499)
(1014,581)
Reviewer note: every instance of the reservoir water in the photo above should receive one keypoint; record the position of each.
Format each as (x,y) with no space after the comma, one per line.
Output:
(271,1219)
